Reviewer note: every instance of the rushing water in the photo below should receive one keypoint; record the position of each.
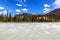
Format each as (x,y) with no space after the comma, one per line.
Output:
(30,31)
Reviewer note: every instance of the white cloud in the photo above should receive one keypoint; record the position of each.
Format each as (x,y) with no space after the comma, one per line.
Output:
(0,13)
(9,10)
(46,10)
(4,12)
(56,4)
(19,4)
(46,5)
(1,7)
(24,9)
(18,10)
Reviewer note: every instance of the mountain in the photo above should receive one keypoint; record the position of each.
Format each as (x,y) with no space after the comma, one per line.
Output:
(24,14)
(55,12)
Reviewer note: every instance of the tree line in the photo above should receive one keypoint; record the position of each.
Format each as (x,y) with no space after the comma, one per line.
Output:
(28,18)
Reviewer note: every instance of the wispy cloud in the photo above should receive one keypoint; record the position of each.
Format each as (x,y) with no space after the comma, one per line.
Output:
(56,4)
(9,10)
(1,7)
(19,4)
(24,9)
(46,8)
(18,10)
(46,5)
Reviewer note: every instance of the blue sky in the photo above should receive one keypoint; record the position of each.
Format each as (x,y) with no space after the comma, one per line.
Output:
(30,6)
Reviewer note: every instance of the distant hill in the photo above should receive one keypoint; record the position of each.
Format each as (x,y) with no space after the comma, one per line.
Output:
(55,12)
(24,14)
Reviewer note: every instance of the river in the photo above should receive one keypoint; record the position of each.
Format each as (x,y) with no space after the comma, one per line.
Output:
(30,31)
